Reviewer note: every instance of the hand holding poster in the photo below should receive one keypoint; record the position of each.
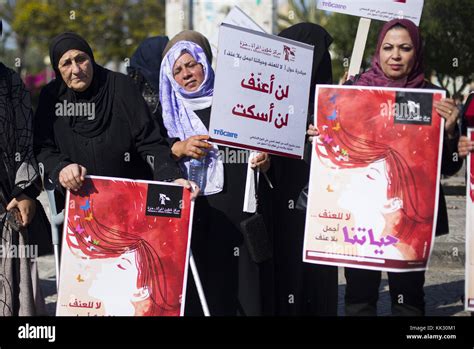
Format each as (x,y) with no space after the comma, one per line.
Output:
(469,303)
(261,92)
(125,249)
(374,179)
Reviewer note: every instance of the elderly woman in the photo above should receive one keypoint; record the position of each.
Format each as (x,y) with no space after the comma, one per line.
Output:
(398,62)
(94,121)
(186,89)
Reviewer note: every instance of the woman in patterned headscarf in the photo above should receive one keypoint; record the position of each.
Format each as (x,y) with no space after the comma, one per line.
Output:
(186,91)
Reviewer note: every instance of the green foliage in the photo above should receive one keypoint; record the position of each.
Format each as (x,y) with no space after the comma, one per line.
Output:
(447,29)
(113,28)
(343,29)
(300,11)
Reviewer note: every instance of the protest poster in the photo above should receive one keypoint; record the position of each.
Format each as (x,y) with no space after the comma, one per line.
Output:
(469,291)
(125,249)
(374,182)
(382,10)
(261,92)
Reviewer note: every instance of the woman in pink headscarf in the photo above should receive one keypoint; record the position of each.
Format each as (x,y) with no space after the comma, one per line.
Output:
(398,62)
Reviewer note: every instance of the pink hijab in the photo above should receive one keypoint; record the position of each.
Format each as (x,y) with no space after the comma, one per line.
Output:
(376,77)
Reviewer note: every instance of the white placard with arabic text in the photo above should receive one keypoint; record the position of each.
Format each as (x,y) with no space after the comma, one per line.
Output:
(261,92)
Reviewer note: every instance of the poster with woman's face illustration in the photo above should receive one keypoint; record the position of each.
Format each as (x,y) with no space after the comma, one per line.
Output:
(125,249)
(469,291)
(374,178)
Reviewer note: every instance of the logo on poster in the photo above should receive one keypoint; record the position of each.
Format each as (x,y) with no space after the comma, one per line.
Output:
(412,108)
(164,200)
(289,53)
(225,133)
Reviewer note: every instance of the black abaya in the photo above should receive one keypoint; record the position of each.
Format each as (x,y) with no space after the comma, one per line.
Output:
(231,280)
(300,288)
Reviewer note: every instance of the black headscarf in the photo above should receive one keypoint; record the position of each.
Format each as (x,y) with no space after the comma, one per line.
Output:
(147,59)
(100,92)
(313,34)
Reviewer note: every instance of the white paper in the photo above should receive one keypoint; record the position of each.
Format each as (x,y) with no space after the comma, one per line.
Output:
(382,10)
(261,92)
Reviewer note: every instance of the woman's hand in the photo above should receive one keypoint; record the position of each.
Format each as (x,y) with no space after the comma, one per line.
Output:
(191,147)
(26,206)
(262,161)
(189,185)
(72,176)
(465,146)
(312,132)
(450,112)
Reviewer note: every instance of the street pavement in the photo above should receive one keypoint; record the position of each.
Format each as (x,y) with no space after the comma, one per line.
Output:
(444,285)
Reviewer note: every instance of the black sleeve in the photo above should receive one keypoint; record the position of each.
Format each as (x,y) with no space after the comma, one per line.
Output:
(26,168)
(158,115)
(148,136)
(450,160)
(45,147)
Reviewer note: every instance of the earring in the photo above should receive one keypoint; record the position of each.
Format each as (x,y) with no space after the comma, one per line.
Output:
(392,205)
(141,294)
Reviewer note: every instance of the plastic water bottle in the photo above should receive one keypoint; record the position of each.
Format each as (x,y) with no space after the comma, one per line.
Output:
(198,172)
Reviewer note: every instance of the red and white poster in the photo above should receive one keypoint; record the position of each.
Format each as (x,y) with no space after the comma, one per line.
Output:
(469,303)
(373,195)
(125,249)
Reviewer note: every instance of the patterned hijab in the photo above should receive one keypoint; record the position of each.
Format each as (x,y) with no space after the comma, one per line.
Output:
(376,77)
(178,109)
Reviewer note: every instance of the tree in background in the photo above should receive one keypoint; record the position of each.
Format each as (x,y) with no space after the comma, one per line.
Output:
(448,27)
(114,29)
(298,11)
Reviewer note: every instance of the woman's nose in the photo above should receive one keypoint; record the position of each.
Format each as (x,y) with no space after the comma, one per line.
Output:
(187,73)
(75,67)
(396,54)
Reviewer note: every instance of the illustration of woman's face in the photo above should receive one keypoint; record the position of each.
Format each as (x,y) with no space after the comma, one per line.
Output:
(120,275)
(365,194)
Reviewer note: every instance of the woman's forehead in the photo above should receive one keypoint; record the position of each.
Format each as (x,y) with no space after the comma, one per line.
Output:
(185,56)
(397,34)
(71,54)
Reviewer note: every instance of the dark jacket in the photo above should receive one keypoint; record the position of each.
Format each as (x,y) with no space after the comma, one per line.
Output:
(120,150)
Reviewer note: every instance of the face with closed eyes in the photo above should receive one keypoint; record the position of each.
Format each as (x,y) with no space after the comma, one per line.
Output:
(397,54)
(188,73)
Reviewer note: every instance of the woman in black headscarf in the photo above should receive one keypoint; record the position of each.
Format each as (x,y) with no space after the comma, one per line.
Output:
(300,288)
(144,69)
(94,121)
